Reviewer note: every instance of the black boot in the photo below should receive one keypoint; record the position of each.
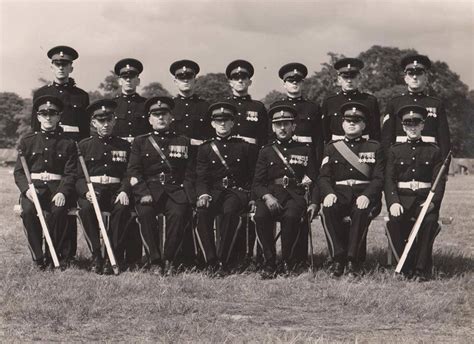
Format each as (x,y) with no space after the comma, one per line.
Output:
(97,263)
(337,269)
(352,270)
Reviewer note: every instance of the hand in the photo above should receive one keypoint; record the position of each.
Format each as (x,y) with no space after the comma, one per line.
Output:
(89,197)
(396,209)
(312,211)
(30,195)
(122,197)
(133,181)
(252,207)
(362,202)
(203,201)
(272,203)
(147,199)
(430,207)
(329,200)
(59,200)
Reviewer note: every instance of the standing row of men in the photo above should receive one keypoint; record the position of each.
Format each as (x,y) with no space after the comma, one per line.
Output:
(167,171)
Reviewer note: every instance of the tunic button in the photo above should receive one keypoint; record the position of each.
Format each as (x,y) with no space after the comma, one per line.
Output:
(146,154)
(128,101)
(414,99)
(294,104)
(352,145)
(186,104)
(225,156)
(285,168)
(284,149)
(413,170)
(238,159)
(45,160)
(46,149)
(129,123)
(213,161)
(413,148)
(105,153)
(413,158)
(350,99)
(129,111)
(186,115)
(187,126)
(105,165)
(238,124)
(240,103)
(74,105)
(60,91)
(350,169)
(225,146)
(201,120)
(92,159)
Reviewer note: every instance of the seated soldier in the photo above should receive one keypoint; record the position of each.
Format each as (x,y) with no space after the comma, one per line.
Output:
(224,172)
(280,192)
(351,181)
(106,158)
(161,174)
(51,159)
(412,167)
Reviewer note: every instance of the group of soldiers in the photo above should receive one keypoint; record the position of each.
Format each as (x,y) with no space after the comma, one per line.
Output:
(222,174)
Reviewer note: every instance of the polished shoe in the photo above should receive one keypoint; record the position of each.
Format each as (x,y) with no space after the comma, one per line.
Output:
(285,269)
(352,269)
(108,270)
(169,269)
(221,271)
(337,269)
(97,264)
(420,276)
(40,264)
(269,271)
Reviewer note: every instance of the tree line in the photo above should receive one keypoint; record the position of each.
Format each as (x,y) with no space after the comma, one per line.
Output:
(382,77)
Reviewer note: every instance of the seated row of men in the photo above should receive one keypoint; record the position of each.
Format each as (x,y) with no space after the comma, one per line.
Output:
(163,173)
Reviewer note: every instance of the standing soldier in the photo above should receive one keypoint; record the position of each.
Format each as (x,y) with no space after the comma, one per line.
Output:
(436,129)
(224,172)
(351,182)
(74,119)
(308,122)
(51,159)
(348,78)
(250,124)
(161,172)
(131,121)
(412,167)
(106,158)
(279,188)
(190,119)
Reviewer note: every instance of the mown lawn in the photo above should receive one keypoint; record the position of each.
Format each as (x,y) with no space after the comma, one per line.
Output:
(77,306)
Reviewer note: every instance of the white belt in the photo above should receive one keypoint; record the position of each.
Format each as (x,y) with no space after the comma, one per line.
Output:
(196,142)
(302,139)
(128,138)
(351,182)
(105,180)
(430,139)
(247,139)
(70,128)
(414,185)
(45,176)
(341,137)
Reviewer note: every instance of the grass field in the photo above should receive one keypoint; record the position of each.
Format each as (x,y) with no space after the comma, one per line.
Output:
(77,306)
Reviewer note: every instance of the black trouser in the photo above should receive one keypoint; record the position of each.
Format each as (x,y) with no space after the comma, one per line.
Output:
(56,220)
(290,218)
(345,244)
(133,243)
(229,206)
(69,248)
(177,217)
(399,228)
(120,220)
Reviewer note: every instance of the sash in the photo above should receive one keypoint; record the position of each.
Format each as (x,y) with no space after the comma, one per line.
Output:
(280,155)
(219,155)
(352,158)
(160,152)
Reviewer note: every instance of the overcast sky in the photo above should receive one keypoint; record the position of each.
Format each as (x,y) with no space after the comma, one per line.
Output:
(213,33)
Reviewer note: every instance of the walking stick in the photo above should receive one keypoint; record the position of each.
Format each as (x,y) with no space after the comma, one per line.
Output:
(39,211)
(98,213)
(419,220)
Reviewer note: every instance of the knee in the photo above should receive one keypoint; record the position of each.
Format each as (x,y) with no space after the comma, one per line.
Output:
(145,211)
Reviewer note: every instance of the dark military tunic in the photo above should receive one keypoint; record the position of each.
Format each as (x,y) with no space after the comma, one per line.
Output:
(106,161)
(268,179)
(74,119)
(229,189)
(46,153)
(332,117)
(130,116)
(190,119)
(172,190)
(338,176)
(251,121)
(436,128)
(413,163)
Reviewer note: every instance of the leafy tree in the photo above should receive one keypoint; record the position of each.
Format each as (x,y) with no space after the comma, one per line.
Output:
(110,86)
(154,89)
(213,87)
(11,105)
(272,97)
(94,96)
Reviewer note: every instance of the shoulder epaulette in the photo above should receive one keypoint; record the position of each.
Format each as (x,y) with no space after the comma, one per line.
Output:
(86,139)
(396,144)
(333,95)
(30,134)
(373,141)
(143,135)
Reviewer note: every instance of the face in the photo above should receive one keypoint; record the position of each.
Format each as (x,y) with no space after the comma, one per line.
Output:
(416,79)
(48,119)
(61,69)
(349,81)
(223,127)
(129,83)
(160,121)
(413,130)
(353,127)
(105,126)
(185,82)
(284,129)
(293,85)
(240,83)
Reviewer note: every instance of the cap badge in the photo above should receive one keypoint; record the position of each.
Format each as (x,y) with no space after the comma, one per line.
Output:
(184,68)
(61,54)
(222,110)
(415,62)
(349,65)
(238,69)
(158,103)
(103,108)
(48,103)
(354,110)
(411,113)
(127,66)
(295,71)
